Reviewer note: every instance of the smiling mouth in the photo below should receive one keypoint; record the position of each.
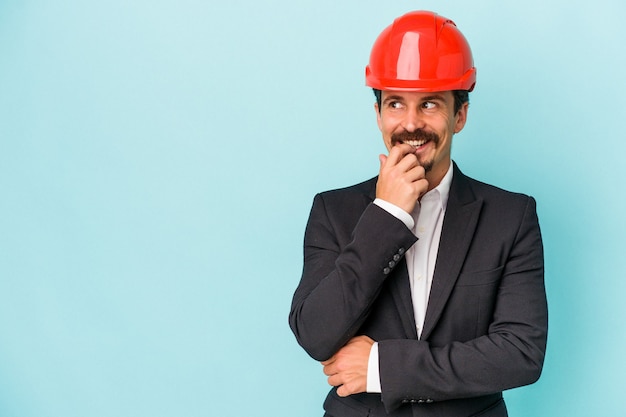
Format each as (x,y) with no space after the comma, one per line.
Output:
(416,139)
(415,143)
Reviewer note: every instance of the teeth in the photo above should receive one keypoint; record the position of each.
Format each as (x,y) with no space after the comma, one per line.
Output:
(415,143)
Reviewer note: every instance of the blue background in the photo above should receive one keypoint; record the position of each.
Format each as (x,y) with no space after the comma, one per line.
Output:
(158,160)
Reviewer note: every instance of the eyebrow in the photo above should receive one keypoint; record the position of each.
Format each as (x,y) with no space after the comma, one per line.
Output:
(393,98)
(434,97)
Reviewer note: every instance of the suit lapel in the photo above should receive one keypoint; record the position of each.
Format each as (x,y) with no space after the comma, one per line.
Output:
(459,224)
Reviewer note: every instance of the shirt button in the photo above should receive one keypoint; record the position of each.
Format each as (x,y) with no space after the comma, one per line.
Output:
(419,277)
(421,230)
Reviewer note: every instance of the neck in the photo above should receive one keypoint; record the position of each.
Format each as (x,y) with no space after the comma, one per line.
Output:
(435,175)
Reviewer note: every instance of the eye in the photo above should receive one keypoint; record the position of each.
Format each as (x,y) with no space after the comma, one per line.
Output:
(429,105)
(395,104)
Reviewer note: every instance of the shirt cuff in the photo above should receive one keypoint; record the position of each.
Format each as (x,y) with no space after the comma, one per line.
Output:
(373,373)
(396,211)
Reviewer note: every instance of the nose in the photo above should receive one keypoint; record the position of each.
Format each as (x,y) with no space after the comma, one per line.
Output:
(413,119)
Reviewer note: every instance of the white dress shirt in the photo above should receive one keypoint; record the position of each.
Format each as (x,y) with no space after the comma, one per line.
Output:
(425,222)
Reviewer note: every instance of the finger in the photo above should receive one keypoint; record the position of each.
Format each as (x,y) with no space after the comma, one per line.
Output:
(361,339)
(416,180)
(382,158)
(330,369)
(342,391)
(353,340)
(335,380)
(398,152)
(404,148)
(328,361)
(416,173)
(407,162)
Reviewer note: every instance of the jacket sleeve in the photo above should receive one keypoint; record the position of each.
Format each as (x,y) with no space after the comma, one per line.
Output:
(346,263)
(510,354)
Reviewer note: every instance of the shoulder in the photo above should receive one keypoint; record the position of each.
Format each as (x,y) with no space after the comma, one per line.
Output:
(344,206)
(489,192)
(365,190)
(497,203)
(365,187)
(465,185)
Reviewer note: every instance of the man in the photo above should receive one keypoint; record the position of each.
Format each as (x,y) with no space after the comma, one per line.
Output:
(422,291)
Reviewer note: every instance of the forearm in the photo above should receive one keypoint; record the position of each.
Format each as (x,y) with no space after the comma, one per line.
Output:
(510,355)
(341,280)
(486,365)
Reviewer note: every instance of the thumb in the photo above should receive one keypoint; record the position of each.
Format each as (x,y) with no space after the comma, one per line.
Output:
(382,158)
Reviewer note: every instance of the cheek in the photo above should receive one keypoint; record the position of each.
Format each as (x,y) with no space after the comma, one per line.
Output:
(447,120)
(386,130)
(387,141)
(447,126)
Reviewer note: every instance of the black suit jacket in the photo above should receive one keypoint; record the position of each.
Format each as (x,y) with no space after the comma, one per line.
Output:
(486,320)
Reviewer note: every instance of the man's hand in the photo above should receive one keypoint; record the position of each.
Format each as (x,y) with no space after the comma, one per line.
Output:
(401,180)
(347,369)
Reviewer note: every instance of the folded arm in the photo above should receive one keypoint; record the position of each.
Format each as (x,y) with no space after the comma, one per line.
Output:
(344,271)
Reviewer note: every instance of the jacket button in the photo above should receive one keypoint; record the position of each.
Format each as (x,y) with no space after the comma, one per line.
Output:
(396,257)
(401,251)
(392,264)
(386,270)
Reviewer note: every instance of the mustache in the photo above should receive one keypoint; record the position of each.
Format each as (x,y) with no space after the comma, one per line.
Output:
(418,134)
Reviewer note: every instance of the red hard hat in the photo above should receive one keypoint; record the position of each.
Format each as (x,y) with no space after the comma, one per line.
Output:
(421,51)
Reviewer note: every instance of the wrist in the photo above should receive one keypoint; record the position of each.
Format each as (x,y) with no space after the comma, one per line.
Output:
(396,211)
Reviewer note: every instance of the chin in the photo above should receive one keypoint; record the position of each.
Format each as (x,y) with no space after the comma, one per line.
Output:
(427,165)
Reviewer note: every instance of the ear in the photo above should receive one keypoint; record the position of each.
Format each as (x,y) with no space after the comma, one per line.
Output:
(461,117)
(378,119)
